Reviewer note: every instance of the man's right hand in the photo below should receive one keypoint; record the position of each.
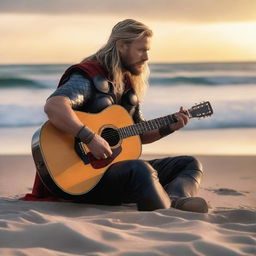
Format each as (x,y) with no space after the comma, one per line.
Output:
(99,147)
(62,116)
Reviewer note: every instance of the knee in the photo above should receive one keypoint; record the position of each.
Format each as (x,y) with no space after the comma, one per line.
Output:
(193,163)
(143,170)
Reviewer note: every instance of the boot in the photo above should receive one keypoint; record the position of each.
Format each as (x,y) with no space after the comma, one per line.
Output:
(190,204)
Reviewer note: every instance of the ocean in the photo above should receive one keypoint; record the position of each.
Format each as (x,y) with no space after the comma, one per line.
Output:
(230,87)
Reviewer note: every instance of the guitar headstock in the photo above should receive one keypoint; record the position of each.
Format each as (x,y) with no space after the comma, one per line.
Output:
(201,110)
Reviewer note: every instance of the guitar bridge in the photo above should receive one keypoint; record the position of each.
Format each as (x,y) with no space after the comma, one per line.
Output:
(79,149)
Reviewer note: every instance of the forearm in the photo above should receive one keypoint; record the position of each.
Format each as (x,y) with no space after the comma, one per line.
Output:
(61,115)
(150,137)
(155,135)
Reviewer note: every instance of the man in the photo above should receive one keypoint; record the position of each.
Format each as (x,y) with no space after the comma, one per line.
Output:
(117,74)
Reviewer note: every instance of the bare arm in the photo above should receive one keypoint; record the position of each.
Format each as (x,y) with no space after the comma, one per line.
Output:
(62,116)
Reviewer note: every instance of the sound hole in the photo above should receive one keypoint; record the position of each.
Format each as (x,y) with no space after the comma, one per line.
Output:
(111,136)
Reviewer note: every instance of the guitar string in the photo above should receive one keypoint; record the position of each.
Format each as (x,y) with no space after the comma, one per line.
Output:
(139,125)
(110,134)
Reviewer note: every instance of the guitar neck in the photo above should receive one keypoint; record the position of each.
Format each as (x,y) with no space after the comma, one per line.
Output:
(203,109)
(146,126)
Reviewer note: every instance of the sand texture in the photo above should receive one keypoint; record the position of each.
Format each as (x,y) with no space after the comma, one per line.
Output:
(50,228)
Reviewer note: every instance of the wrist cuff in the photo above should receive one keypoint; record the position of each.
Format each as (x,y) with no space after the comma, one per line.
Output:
(164,131)
(85,135)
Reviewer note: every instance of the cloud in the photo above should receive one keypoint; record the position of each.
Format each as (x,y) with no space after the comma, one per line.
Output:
(164,10)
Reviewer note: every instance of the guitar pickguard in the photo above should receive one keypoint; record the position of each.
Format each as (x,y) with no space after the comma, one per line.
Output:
(97,164)
(88,158)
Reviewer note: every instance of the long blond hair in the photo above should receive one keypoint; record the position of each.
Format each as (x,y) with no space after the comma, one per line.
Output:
(109,57)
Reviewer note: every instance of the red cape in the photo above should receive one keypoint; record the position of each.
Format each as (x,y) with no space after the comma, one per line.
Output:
(90,69)
(39,191)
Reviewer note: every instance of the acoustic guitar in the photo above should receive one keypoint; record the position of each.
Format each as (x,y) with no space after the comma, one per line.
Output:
(67,167)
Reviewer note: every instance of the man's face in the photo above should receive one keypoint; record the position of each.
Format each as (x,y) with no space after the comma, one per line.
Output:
(135,54)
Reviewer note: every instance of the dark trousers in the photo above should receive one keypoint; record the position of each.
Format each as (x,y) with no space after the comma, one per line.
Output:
(150,184)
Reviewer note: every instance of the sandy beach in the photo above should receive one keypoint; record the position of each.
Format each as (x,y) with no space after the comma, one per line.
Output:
(201,57)
(50,228)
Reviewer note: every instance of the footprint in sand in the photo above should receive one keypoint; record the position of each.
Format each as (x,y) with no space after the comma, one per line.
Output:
(226,192)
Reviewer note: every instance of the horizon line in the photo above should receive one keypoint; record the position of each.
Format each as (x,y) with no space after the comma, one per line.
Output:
(155,62)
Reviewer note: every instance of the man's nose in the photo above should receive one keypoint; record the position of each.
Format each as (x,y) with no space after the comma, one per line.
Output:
(145,56)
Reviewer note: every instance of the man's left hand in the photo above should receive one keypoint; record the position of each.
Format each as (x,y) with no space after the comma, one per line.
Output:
(182,118)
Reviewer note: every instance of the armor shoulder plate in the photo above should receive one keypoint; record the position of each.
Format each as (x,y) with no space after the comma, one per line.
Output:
(101,84)
(78,89)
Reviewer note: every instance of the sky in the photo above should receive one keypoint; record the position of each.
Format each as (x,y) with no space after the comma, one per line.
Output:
(66,31)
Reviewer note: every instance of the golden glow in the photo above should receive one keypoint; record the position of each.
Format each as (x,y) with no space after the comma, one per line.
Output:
(210,42)
(69,38)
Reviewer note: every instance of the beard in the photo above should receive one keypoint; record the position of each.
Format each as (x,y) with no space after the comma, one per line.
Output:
(134,68)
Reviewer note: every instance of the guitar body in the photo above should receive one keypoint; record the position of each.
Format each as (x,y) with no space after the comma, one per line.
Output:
(70,173)
(67,167)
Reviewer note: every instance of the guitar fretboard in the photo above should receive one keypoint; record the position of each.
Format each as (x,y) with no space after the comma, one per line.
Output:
(146,126)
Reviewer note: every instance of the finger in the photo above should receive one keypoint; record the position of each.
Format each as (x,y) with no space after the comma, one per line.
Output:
(185,118)
(104,156)
(108,152)
(180,121)
(97,157)
(183,111)
(107,147)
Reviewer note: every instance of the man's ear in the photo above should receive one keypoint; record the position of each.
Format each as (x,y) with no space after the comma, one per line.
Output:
(121,45)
